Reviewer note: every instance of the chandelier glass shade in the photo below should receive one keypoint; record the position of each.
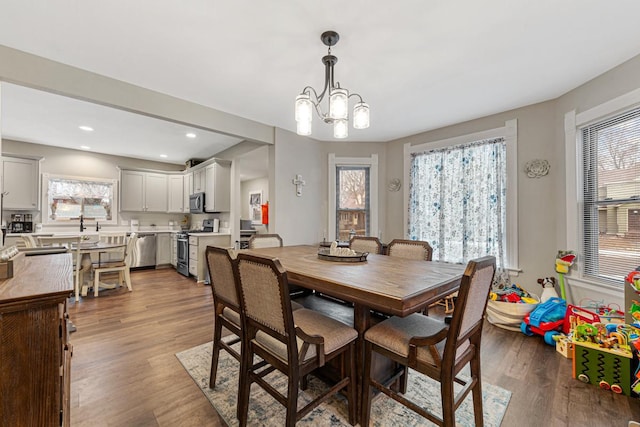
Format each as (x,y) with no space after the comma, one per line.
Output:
(337,112)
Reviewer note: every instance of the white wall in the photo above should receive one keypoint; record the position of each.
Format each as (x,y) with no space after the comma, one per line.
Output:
(541,202)
(251,186)
(298,220)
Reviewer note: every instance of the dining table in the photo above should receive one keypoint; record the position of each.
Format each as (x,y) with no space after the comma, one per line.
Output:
(100,248)
(381,283)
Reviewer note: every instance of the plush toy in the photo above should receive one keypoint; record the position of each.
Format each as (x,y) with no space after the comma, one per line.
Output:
(549,290)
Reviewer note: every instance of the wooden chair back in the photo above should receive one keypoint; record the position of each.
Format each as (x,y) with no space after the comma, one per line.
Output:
(220,264)
(366,244)
(466,324)
(265,241)
(410,249)
(116,237)
(264,294)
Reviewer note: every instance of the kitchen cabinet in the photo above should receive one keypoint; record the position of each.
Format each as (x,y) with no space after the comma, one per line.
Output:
(188,190)
(20,183)
(143,191)
(35,355)
(197,249)
(163,249)
(218,187)
(176,194)
(199,180)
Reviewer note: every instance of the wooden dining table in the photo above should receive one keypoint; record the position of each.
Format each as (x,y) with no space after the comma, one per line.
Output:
(389,285)
(88,248)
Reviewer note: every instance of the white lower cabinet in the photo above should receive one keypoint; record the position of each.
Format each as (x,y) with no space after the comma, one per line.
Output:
(197,253)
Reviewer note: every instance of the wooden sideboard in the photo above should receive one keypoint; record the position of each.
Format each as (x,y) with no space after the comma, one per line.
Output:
(35,353)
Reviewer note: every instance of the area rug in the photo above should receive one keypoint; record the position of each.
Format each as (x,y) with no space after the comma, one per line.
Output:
(266,411)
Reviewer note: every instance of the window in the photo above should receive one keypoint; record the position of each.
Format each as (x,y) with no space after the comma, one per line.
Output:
(353,197)
(352,201)
(67,198)
(459,198)
(611,194)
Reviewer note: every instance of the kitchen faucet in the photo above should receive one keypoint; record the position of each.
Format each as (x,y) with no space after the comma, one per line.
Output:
(82,227)
(98,227)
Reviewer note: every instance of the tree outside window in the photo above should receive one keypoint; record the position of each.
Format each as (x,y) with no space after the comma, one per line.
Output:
(352,201)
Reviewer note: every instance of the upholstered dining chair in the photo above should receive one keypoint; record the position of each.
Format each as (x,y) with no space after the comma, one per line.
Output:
(435,349)
(366,244)
(265,241)
(258,241)
(410,249)
(123,267)
(225,301)
(292,342)
(72,243)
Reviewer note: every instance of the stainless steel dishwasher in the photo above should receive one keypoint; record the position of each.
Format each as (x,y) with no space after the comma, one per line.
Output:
(144,251)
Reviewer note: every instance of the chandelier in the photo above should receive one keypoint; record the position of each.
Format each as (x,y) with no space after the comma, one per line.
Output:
(338,107)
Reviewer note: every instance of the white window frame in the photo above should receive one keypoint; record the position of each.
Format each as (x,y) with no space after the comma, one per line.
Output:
(574,179)
(45,199)
(510,134)
(372,162)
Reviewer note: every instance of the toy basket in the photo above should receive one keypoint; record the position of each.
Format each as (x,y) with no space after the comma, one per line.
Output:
(508,315)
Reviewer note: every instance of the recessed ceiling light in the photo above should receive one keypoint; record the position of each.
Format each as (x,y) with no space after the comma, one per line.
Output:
(85,147)
(164,156)
(191,135)
(86,128)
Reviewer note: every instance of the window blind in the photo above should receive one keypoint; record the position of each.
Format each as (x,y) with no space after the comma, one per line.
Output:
(611,195)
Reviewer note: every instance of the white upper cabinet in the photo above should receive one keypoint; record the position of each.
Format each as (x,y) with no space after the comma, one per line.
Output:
(176,194)
(143,191)
(199,180)
(188,190)
(218,187)
(20,183)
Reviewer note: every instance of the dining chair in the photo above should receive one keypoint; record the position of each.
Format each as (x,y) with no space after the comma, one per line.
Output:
(410,249)
(225,303)
(123,267)
(265,241)
(226,306)
(366,244)
(72,243)
(292,342)
(419,250)
(436,349)
(116,237)
(29,241)
(258,241)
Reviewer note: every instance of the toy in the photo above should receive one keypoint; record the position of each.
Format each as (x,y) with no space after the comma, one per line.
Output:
(548,291)
(554,318)
(564,260)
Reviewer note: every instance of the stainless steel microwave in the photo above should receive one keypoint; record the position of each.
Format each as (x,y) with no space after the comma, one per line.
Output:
(196,203)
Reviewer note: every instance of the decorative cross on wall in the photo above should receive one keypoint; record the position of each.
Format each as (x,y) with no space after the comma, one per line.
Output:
(298,182)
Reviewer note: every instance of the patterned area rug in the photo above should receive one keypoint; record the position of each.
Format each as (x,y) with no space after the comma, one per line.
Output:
(266,411)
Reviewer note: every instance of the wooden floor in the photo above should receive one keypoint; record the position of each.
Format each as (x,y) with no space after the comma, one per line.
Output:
(124,370)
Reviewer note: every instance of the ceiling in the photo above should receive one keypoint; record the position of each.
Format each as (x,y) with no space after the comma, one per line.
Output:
(419,64)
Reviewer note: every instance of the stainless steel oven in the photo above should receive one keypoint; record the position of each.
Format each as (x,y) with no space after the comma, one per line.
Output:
(182,252)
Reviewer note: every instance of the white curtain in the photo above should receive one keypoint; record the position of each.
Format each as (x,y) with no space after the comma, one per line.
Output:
(457,200)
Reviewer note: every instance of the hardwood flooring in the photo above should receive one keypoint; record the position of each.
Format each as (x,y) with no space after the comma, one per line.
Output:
(124,371)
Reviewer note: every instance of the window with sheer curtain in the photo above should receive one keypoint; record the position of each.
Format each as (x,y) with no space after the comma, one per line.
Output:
(66,198)
(611,194)
(458,200)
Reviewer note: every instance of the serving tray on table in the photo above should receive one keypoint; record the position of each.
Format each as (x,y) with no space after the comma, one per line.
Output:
(324,253)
